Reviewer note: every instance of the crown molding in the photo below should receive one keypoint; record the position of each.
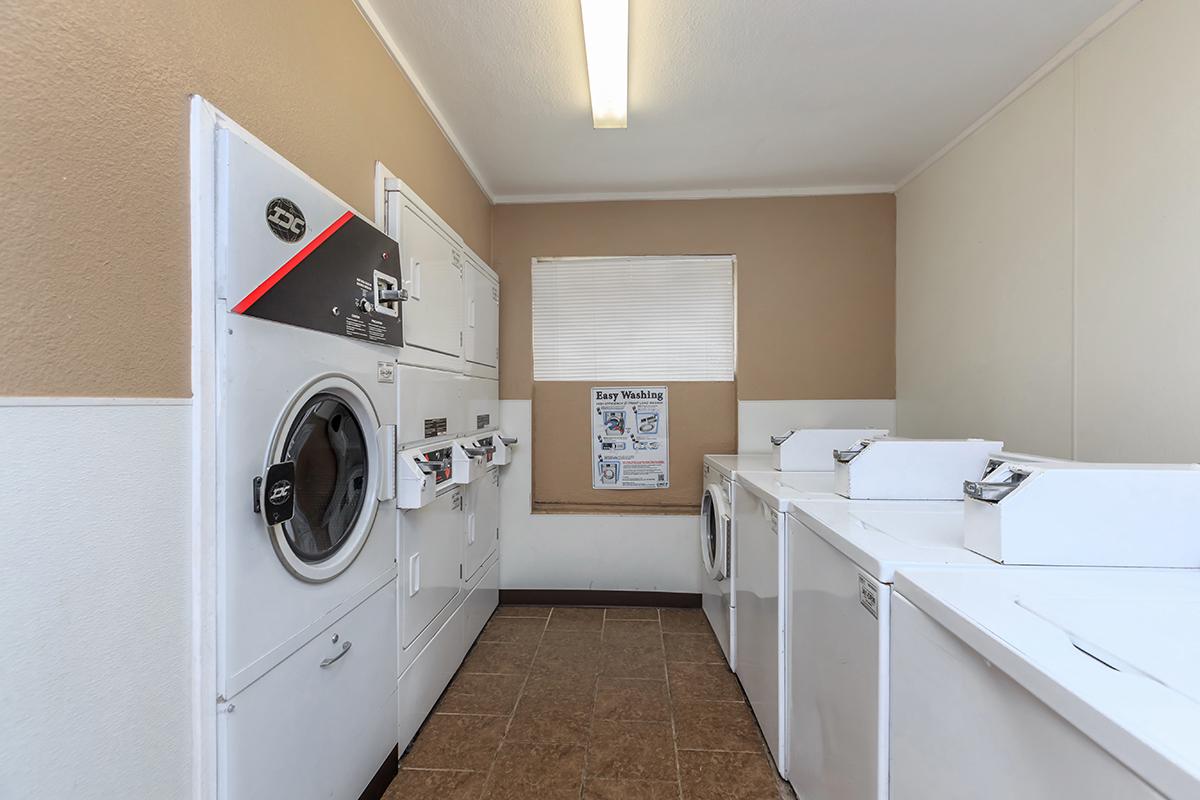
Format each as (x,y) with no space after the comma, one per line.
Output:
(695,194)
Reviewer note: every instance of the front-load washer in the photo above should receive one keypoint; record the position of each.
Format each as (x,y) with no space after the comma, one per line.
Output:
(1045,683)
(842,559)
(762,500)
(307,330)
(717,545)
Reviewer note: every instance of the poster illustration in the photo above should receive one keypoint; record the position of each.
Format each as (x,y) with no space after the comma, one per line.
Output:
(629,437)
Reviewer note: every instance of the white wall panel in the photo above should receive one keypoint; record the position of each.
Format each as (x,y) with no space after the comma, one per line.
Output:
(1139,237)
(984,281)
(95,566)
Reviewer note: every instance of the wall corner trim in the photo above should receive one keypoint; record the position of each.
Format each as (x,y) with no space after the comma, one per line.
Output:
(1058,59)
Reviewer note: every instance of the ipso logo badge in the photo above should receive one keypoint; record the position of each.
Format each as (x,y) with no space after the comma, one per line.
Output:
(285,219)
(280,492)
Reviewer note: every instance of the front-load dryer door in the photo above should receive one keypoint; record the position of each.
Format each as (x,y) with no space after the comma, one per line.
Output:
(714,532)
(329,436)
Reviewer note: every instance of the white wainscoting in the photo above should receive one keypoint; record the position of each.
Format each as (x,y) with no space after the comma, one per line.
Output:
(759,420)
(95,584)
(578,551)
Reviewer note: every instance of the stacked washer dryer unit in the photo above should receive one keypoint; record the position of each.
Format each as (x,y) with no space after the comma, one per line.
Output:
(308,324)
(449,451)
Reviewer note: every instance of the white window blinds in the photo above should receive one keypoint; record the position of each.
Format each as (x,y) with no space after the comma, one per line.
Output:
(638,319)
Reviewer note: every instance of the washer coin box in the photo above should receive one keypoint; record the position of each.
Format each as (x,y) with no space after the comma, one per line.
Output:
(1076,514)
(419,473)
(910,469)
(809,449)
(505,445)
(470,460)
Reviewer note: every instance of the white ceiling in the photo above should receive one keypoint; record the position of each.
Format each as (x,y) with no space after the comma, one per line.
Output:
(725,96)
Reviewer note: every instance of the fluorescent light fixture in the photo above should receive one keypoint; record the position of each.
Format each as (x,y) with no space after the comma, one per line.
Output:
(606,40)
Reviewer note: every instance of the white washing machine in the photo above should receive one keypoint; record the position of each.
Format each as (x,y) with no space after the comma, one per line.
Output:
(762,500)
(716,544)
(307,333)
(842,559)
(1045,683)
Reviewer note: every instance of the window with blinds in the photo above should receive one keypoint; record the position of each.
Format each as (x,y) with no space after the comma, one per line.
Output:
(638,319)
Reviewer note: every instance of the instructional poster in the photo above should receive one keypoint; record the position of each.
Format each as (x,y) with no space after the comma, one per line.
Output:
(629,437)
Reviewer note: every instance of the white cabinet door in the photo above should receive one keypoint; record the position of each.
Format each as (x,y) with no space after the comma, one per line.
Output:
(483,520)
(431,562)
(482,333)
(432,271)
(322,722)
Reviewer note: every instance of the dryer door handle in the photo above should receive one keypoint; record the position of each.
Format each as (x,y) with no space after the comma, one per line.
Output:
(345,649)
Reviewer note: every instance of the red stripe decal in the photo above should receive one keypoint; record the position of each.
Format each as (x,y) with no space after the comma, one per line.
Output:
(291,264)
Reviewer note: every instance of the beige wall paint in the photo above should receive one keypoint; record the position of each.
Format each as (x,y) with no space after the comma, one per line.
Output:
(983,284)
(1132,161)
(93,159)
(815,310)
(703,419)
(1138,215)
(815,282)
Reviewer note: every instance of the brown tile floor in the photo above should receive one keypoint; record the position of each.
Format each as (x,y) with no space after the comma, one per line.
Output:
(591,704)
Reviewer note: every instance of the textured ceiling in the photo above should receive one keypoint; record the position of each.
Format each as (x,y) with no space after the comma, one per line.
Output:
(770,96)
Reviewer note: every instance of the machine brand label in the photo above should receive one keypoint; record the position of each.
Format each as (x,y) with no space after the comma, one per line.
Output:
(387,371)
(868,595)
(286,220)
(482,421)
(279,493)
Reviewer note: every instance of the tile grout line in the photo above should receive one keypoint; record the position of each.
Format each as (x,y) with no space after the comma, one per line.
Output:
(671,705)
(587,750)
(512,714)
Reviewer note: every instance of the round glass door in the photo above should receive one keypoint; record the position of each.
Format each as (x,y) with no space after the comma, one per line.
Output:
(330,436)
(329,449)
(712,533)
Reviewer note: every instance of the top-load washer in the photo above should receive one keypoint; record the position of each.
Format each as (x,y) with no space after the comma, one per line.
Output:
(308,322)
(842,559)
(1045,683)
(762,500)
(716,544)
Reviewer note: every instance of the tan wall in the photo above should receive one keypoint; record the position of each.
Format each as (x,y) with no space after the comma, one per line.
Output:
(815,282)
(93,160)
(1059,247)
(816,304)
(702,419)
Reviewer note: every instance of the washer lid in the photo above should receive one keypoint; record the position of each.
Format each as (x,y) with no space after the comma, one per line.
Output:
(714,532)
(1112,651)
(881,536)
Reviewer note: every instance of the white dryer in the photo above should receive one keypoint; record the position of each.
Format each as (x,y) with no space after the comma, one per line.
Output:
(307,328)
(717,544)
(1045,683)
